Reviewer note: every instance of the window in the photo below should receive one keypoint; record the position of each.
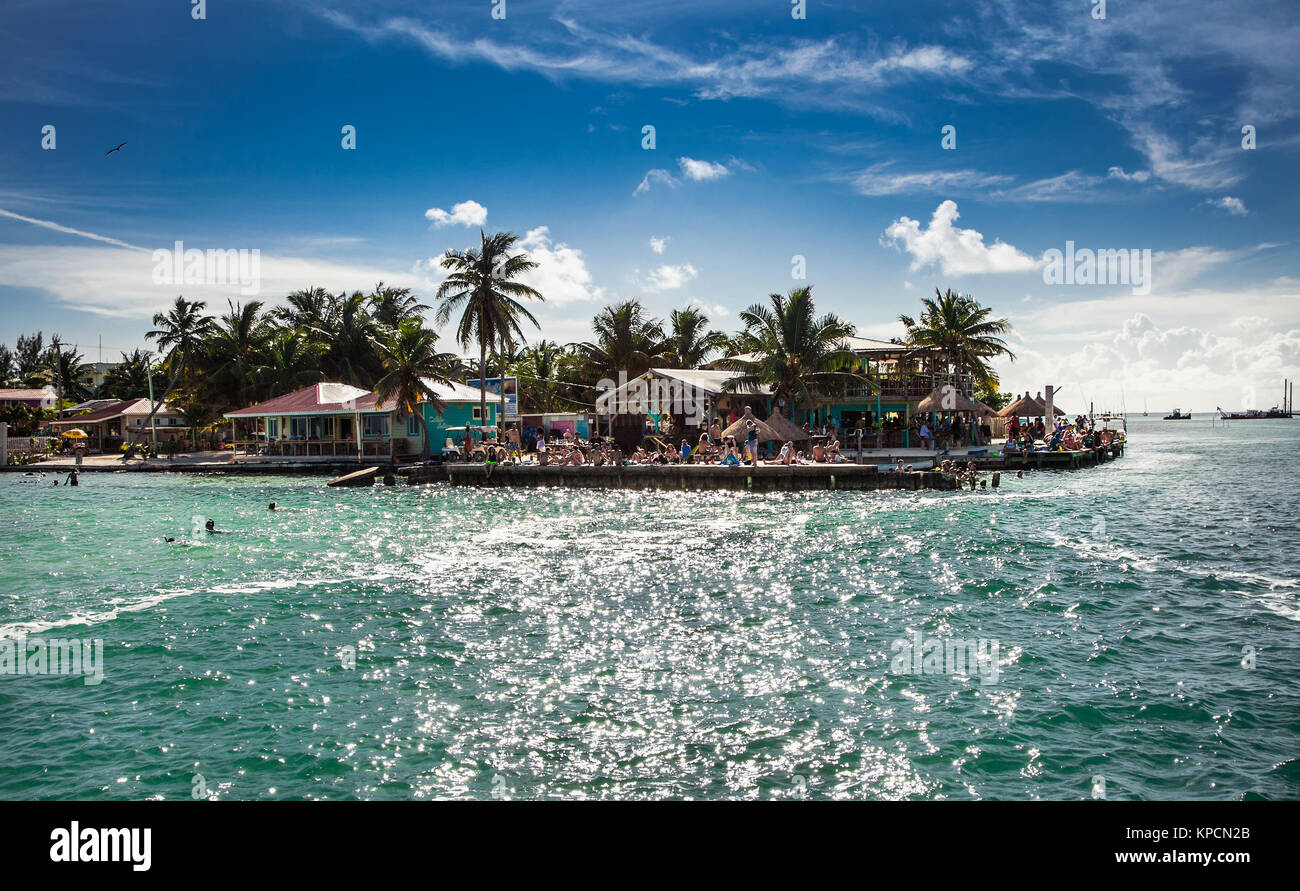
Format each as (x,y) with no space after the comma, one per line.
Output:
(329,428)
(345,428)
(272,428)
(374,425)
(298,428)
(412,425)
(478,413)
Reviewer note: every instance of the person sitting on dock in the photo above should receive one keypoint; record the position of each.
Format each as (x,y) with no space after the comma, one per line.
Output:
(927,438)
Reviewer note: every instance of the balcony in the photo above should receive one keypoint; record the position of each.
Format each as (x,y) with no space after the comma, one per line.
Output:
(908,386)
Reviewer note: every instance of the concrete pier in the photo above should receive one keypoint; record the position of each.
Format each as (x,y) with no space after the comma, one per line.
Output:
(683,477)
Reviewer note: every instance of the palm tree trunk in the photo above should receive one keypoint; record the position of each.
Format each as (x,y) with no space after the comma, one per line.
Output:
(424,429)
(153,410)
(501,421)
(482,382)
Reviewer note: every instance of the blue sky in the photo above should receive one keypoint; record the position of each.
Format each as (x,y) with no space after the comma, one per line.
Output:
(775,137)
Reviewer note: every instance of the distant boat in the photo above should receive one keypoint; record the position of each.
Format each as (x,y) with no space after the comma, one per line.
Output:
(1178,416)
(1144,408)
(1254,414)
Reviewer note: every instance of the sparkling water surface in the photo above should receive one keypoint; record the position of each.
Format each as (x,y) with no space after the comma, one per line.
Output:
(579,644)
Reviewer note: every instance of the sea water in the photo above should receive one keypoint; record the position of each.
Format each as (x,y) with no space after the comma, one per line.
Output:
(1126,631)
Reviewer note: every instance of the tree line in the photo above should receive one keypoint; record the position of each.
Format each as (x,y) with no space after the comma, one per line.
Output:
(380,340)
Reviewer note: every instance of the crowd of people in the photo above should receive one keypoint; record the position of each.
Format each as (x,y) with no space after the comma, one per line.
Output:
(1082,433)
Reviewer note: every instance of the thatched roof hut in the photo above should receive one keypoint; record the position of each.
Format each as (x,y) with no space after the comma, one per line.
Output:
(740,429)
(787,429)
(953,400)
(1028,407)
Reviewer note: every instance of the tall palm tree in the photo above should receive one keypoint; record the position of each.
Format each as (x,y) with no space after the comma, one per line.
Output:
(393,306)
(306,309)
(180,332)
(801,356)
(962,330)
(627,339)
(349,333)
(233,349)
(482,286)
(691,343)
(412,364)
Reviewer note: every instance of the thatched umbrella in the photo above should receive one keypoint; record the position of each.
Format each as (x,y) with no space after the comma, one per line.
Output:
(952,400)
(786,429)
(740,429)
(1028,407)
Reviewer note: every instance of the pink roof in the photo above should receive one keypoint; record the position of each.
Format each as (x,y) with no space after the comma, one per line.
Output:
(116,409)
(314,400)
(26,394)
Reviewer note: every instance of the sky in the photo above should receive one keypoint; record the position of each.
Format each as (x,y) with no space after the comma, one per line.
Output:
(881,151)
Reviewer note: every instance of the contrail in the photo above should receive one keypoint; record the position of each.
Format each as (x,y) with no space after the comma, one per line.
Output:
(57,228)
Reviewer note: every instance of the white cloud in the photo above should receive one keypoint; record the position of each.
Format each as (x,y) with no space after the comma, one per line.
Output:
(702,170)
(713,311)
(466,213)
(110,281)
(693,170)
(562,276)
(658,244)
(957,251)
(657,175)
(879,179)
(669,278)
(1137,176)
(1234,206)
(55,227)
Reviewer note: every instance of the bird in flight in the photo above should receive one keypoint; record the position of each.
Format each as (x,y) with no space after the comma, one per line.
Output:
(110,151)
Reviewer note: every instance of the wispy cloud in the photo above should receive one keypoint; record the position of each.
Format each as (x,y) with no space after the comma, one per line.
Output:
(67,230)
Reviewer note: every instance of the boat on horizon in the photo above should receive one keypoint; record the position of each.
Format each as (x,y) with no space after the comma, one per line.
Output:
(1177,415)
(1254,414)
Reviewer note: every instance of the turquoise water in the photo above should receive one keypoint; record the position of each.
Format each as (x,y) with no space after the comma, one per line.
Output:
(575,644)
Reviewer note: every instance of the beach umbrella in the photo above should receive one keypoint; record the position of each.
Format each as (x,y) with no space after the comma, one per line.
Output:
(786,429)
(75,433)
(953,400)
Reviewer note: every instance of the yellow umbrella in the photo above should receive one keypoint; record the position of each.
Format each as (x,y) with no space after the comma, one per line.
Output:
(75,433)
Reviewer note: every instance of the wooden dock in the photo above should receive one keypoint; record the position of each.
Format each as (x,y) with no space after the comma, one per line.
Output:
(766,478)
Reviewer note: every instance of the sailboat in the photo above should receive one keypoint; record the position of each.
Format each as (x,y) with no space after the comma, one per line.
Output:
(1144,407)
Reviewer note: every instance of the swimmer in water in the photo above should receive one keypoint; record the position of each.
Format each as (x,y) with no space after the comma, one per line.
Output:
(211,526)
(271,506)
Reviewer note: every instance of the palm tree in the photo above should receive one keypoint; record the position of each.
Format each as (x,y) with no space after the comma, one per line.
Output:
(180,332)
(393,306)
(802,357)
(481,285)
(411,364)
(962,331)
(539,367)
(64,370)
(234,347)
(288,362)
(349,333)
(129,379)
(691,343)
(306,309)
(626,340)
